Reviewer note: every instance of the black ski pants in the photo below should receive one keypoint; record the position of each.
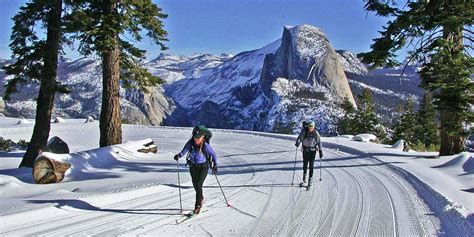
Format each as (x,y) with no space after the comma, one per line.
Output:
(308,158)
(198,175)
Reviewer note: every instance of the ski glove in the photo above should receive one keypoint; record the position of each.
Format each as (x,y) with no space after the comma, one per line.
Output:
(214,169)
(297,144)
(176,157)
(320,154)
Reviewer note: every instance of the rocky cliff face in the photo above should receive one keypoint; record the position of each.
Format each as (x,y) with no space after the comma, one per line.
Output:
(305,54)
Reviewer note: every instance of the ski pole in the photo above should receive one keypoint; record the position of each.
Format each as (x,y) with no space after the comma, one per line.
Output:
(320,167)
(294,168)
(219,183)
(179,188)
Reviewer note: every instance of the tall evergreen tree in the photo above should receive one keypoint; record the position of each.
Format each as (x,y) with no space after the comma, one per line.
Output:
(346,123)
(440,33)
(406,126)
(365,119)
(427,132)
(103,27)
(36,59)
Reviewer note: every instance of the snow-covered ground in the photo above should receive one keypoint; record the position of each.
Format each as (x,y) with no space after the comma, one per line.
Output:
(366,189)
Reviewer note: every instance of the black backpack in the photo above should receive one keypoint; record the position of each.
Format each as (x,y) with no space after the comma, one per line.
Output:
(304,128)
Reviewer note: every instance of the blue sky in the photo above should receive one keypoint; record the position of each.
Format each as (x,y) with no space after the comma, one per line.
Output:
(233,26)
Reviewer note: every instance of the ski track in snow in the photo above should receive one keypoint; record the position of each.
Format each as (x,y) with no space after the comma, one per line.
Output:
(358,196)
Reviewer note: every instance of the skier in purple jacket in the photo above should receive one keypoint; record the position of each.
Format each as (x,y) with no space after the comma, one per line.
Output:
(200,157)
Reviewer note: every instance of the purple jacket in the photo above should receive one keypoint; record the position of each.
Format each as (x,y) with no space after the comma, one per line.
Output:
(196,156)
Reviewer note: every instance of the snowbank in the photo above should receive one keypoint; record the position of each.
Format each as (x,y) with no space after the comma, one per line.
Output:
(89,119)
(463,163)
(348,136)
(24,121)
(398,145)
(83,164)
(58,120)
(366,137)
(87,165)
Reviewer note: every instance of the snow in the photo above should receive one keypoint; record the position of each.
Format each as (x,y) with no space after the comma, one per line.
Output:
(58,120)
(191,80)
(89,119)
(309,42)
(399,145)
(23,121)
(217,82)
(459,165)
(451,176)
(364,137)
(366,189)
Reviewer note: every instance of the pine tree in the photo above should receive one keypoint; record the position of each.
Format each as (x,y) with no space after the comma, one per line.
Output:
(406,127)
(440,33)
(365,119)
(346,123)
(36,59)
(103,27)
(427,132)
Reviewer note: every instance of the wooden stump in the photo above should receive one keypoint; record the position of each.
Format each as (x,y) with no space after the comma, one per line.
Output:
(47,170)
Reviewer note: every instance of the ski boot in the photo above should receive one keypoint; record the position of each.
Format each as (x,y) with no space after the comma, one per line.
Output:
(302,184)
(198,205)
(309,183)
(197,209)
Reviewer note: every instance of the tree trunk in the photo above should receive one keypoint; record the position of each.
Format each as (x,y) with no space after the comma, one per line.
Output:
(110,119)
(451,144)
(44,104)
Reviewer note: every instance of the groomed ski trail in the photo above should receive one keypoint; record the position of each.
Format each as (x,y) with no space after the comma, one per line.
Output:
(358,196)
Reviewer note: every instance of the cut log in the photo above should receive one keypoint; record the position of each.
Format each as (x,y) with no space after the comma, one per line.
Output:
(47,170)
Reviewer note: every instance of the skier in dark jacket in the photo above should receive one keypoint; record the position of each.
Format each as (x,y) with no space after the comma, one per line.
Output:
(199,152)
(311,142)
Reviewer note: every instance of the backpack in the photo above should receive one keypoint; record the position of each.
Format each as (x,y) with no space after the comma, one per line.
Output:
(304,128)
(207,138)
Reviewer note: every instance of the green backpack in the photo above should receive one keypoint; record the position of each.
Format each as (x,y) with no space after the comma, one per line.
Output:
(207,138)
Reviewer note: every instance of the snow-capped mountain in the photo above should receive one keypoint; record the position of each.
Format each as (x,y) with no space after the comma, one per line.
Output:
(351,63)
(270,89)
(299,76)
(84,77)
(390,88)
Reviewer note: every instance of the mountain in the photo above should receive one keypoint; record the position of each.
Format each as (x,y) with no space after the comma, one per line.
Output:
(270,89)
(351,63)
(84,77)
(299,76)
(391,87)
